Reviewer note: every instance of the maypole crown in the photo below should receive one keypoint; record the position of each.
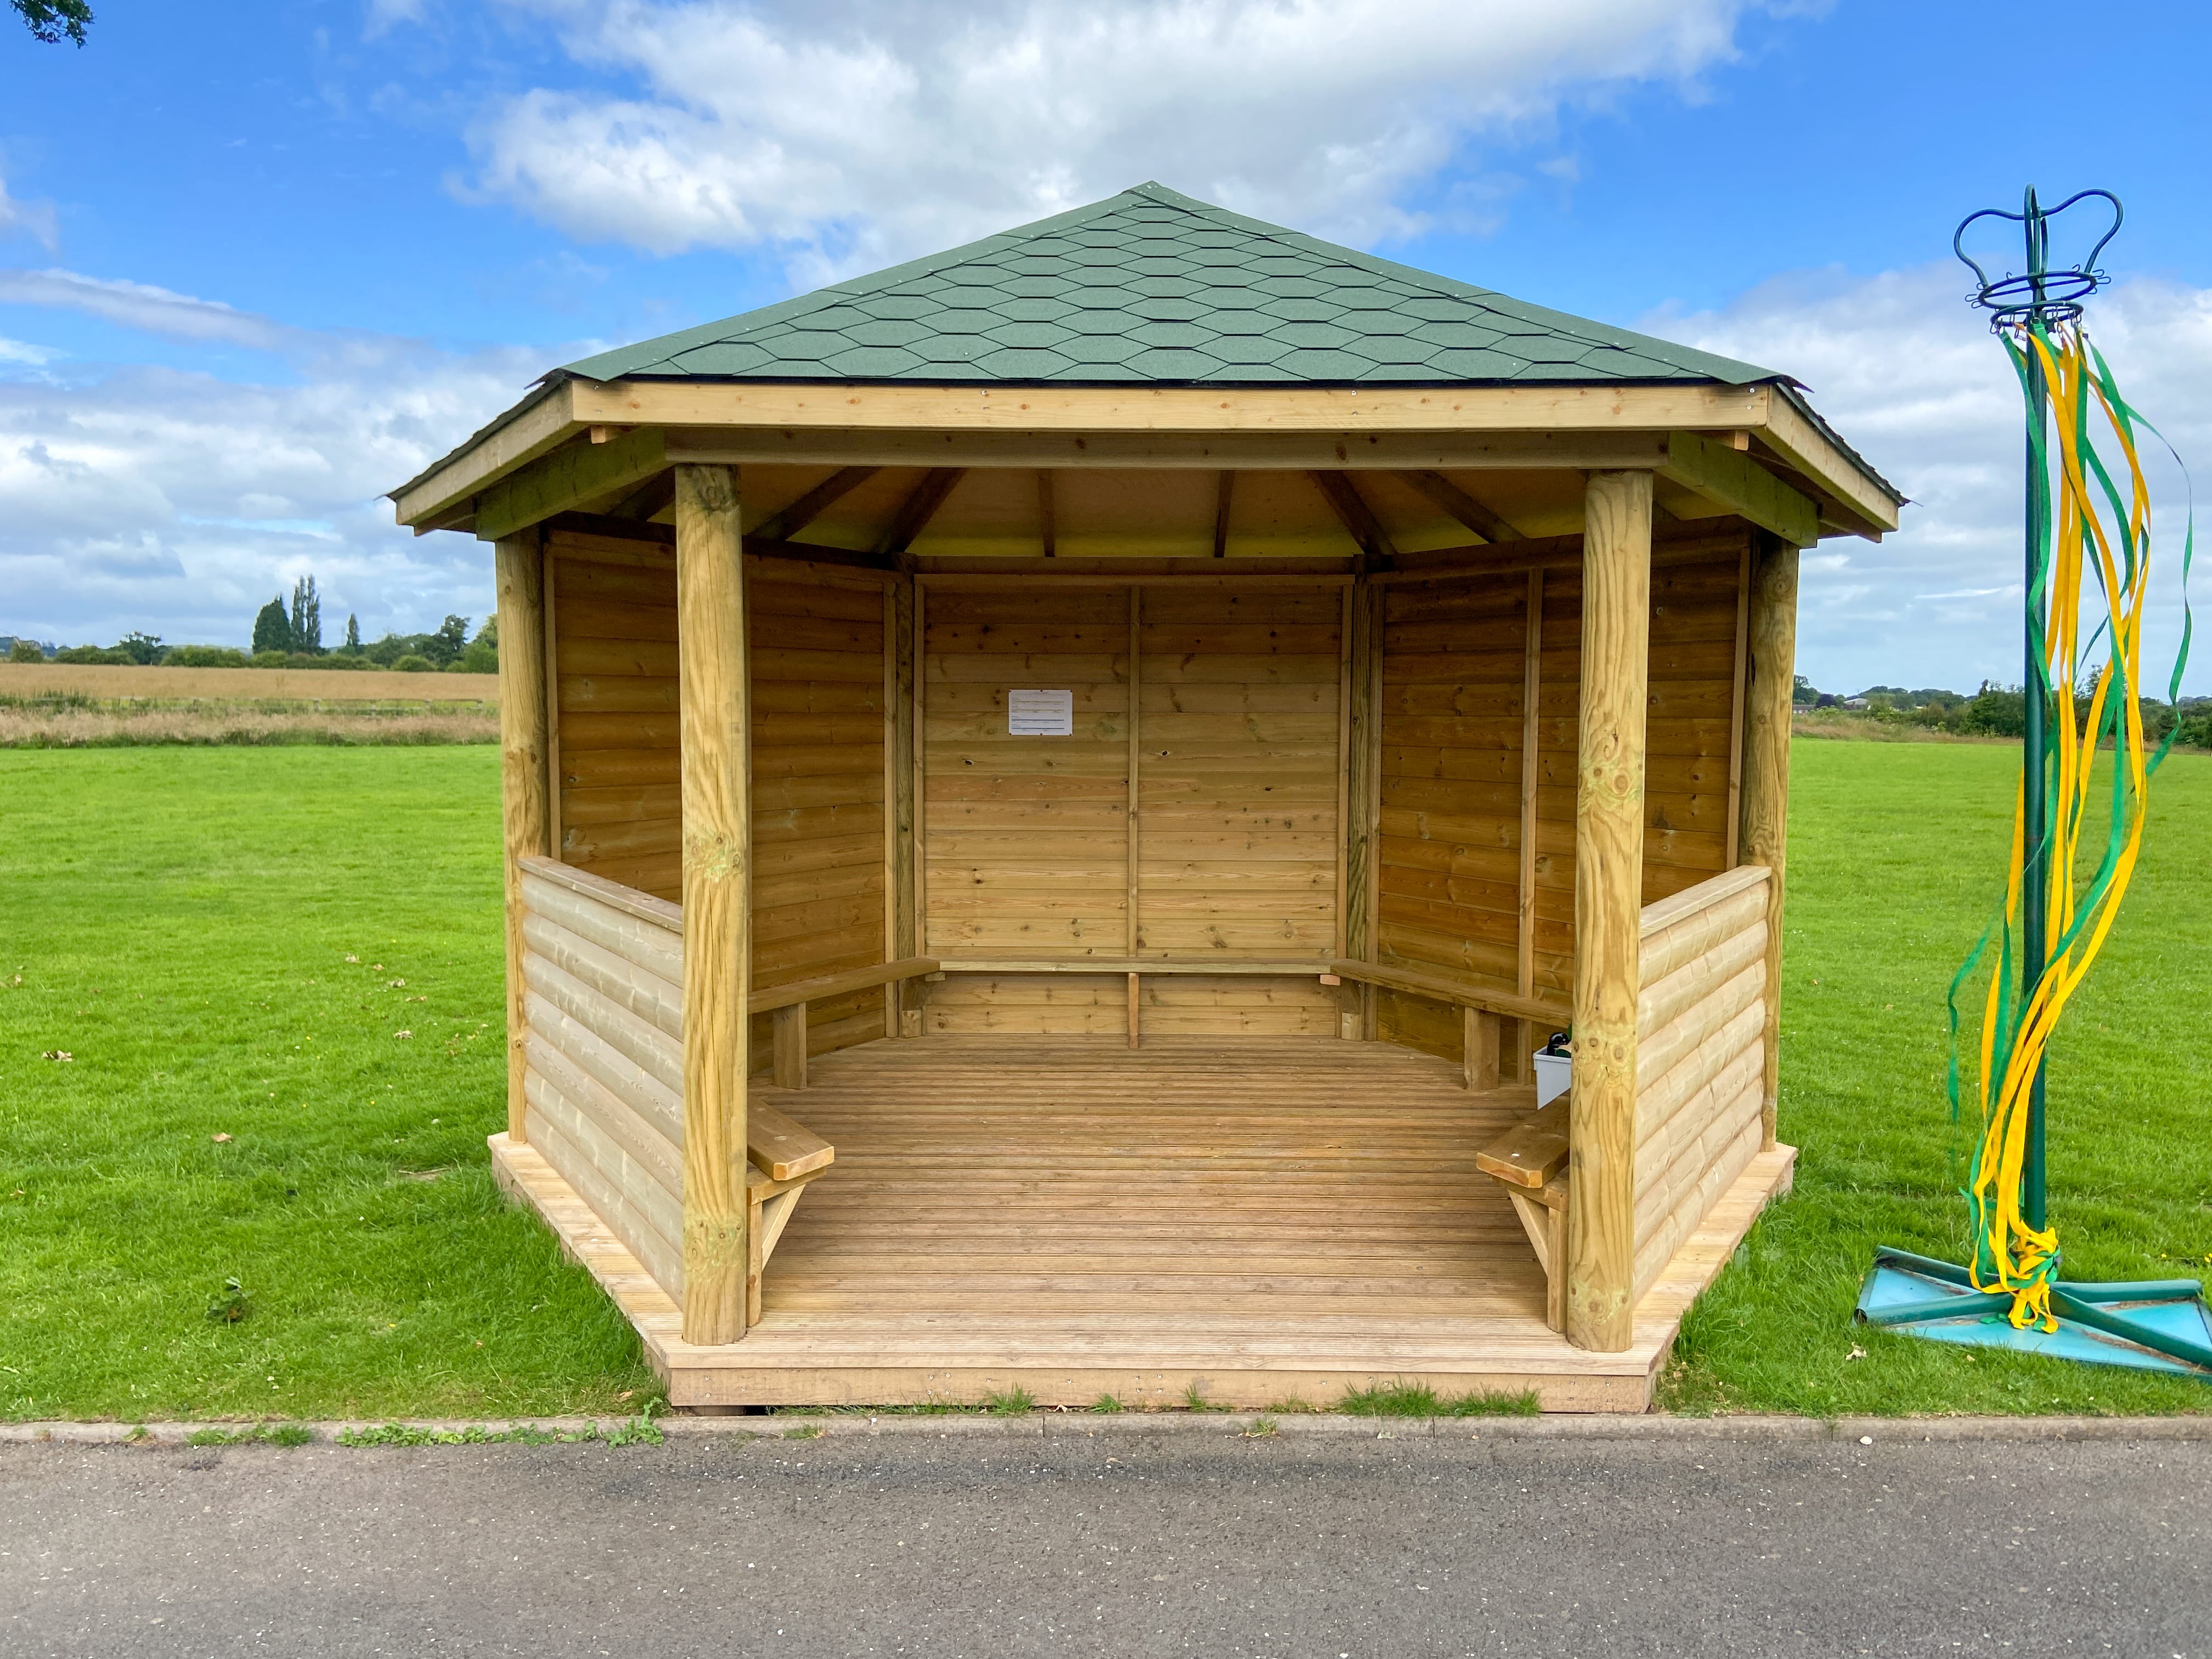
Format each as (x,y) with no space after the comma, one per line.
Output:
(2039,295)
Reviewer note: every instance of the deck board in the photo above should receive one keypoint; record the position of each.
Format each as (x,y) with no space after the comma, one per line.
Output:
(1264,1218)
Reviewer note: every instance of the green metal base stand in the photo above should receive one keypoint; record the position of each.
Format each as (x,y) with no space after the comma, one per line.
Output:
(2154,1325)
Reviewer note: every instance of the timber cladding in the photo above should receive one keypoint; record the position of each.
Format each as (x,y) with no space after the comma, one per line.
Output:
(818,698)
(1194,811)
(1476,828)
(603,1052)
(1701,1056)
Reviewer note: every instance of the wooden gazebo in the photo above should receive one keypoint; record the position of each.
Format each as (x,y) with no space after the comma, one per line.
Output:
(1098,755)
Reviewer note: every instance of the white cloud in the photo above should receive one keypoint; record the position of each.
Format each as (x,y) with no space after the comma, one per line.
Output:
(851,134)
(1910,374)
(36,219)
(142,305)
(177,503)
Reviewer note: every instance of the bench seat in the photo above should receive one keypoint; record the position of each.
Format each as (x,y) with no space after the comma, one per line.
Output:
(1530,1161)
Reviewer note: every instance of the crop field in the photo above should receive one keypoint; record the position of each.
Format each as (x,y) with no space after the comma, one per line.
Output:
(250,1030)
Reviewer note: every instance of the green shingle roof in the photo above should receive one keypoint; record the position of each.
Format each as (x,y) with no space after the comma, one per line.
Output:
(1153,286)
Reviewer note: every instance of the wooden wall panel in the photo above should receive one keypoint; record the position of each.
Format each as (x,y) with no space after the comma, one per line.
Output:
(1701,1023)
(602,1060)
(817,699)
(1238,772)
(1452,674)
(1025,839)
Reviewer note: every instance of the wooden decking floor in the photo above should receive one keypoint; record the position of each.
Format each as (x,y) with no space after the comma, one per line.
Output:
(1265,1219)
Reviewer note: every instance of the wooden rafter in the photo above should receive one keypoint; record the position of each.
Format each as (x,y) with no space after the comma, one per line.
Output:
(1462,506)
(919,508)
(1048,522)
(654,498)
(782,526)
(1352,511)
(1223,494)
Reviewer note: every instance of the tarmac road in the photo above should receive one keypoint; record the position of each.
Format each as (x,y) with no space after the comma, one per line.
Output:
(1123,1543)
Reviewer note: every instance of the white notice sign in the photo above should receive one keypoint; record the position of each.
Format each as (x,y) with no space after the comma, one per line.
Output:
(1041,713)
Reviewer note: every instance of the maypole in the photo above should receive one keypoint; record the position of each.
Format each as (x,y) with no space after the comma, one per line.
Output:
(2053,921)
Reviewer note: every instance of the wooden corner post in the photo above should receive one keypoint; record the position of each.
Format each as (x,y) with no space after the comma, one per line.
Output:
(524,817)
(717,790)
(1769,693)
(1608,910)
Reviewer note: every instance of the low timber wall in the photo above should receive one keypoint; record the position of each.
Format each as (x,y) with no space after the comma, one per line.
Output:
(603,1046)
(1700,1063)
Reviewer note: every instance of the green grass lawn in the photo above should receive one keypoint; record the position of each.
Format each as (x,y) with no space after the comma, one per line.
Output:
(184,923)
(1896,855)
(181,921)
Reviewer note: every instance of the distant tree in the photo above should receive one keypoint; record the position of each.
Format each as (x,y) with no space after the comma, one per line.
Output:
(141,648)
(272,628)
(448,642)
(353,633)
(1804,693)
(489,633)
(54,21)
(26,651)
(306,617)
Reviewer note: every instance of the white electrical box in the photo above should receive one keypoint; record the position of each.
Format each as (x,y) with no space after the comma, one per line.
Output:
(1041,713)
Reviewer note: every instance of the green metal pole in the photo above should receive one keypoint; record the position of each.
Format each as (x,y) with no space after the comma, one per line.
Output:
(2034,762)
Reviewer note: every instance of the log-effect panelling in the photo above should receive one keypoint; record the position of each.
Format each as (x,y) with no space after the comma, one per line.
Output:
(1453,729)
(1701,1019)
(602,1050)
(818,699)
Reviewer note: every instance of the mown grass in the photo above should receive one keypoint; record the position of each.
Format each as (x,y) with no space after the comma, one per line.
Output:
(180,920)
(1897,852)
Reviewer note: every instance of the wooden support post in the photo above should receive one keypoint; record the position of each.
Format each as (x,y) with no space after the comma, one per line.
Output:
(1132,931)
(1769,681)
(1047,516)
(1732,854)
(1480,1032)
(1224,491)
(717,799)
(1608,910)
(1136,1013)
(789,1059)
(900,939)
(1362,786)
(550,644)
(522,771)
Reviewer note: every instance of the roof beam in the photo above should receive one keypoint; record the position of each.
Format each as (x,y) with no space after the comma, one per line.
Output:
(1462,506)
(919,508)
(568,478)
(812,504)
(1357,518)
(1735,481)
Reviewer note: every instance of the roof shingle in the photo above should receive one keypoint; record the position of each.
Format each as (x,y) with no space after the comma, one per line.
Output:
(1153,285)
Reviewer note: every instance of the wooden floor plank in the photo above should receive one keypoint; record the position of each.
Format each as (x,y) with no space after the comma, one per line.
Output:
(1258,1218)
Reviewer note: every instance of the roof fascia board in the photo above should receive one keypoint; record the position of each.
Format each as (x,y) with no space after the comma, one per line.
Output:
(541,422)
(1242,451)
(1847,479)
(1656,407)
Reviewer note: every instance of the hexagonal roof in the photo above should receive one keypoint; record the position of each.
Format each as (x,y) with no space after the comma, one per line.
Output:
(1153,286)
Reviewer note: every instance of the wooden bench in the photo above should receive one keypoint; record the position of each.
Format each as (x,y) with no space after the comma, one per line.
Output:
(787,1005)
(1530,1162)
(785,1155)
(1484,1014)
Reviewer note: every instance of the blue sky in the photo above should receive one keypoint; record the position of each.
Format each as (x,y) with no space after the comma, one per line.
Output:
(257,263)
